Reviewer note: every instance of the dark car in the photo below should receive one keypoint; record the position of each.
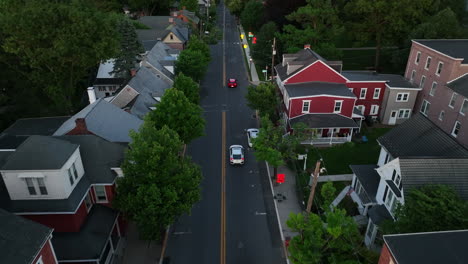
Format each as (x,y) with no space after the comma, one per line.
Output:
(232,83)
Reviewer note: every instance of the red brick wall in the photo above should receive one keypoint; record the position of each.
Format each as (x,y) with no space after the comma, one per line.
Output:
(62,222)
(385,256)
(318,72)
(47,254)
(80,128)
(369,100)
(322,104)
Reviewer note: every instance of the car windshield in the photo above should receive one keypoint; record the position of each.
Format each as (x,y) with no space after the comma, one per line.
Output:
(236,156)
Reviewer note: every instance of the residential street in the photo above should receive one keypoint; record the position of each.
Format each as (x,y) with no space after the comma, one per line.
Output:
(250,223)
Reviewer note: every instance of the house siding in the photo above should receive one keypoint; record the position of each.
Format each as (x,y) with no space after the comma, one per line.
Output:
(385,256)
(316,72)
(369,100)
(392,105)
(322,104)
(47,254)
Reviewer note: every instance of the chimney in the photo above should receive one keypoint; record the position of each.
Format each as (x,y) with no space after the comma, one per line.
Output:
(91,95)
(306,46)
(174,13)
(171,20)
(133,72)
(80,128)
(183,7)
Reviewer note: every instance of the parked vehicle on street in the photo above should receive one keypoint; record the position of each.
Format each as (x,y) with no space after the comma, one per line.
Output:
(236,154)
(251,134)
(232,83)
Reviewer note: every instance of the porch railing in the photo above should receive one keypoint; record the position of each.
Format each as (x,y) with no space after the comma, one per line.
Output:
(327,140)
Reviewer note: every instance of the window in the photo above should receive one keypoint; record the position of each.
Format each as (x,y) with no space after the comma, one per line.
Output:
(413,74)
(456,129)
(30,184)
(88,202)
(389,200)
(376,93)
(39,261)
(428,63)
(73,171)
(423,80)
(351,89)
(418,57)
(363,93)
(453,99)
(361,108)
(402,97)
(425,107)
(337,108)
(70,177)
(464,107)
(374,109)
(171,37)
(42,187)
(100,192)
(370,230)
(439,68)
(442,115)
(433,89)
(305,106)
(404,113)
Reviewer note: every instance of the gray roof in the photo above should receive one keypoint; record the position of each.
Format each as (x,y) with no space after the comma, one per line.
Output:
(191,15)
(392,80)
(149,43)
(324,121)
(419,137)
(318,88)
(11,141)
(40,153)
(45,126)
(160,27)
(369,179)
(429,247)
(460,85)
(455,48)
(303,57)
(379,213)
(20,239)
(89,242)
(105,120)
(160,22)
(159,56)
(419,172)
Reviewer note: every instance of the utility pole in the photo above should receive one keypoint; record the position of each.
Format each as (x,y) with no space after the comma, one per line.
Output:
(273,53)
(314,184)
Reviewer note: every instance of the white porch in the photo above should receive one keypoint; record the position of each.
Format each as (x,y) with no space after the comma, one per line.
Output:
(328,140)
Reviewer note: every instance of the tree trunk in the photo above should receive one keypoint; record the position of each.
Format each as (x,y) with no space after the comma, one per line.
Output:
(378,47)
(275,171)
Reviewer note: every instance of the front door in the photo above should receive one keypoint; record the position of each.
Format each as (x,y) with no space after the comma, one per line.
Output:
(392,119)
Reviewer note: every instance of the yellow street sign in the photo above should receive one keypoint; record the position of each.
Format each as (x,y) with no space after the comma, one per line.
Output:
(242,36)
(245,46)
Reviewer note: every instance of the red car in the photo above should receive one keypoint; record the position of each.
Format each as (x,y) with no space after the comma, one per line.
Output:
(232,83)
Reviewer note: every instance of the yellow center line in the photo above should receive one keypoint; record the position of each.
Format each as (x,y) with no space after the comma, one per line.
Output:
(223,190)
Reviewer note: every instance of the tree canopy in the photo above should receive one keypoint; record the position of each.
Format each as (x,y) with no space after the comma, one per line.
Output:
(151,7)
(189,87)
(192,63)
(262,51)
(263,98)
(443,25)
(159,185)
(191,5)
(178,113)
(252,15)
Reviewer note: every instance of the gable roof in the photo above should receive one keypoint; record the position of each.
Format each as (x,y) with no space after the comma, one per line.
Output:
(318,88)
(419,172)
(419,137)
(369,179)
(21,239)
(460,85)
(392,80)
(105,120)
(455,48)
(45,126)
(429,247)
(304,57)
(159,56)
(104,75)
(40,153)
(379,213)
(159,28)
(190,15)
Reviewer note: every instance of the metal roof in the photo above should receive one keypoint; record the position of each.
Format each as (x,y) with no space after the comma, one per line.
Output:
(392,80)
(318,88)
(324,121)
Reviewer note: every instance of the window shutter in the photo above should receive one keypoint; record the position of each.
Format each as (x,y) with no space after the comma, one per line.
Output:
(385,193)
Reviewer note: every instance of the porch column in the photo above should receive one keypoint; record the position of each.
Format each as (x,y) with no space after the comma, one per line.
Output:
(350,135)
(331,136)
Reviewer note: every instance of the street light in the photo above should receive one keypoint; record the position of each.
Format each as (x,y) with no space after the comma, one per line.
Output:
(250,65)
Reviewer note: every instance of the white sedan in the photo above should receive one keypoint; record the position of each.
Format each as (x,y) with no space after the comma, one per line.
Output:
(236,154)
(251,133)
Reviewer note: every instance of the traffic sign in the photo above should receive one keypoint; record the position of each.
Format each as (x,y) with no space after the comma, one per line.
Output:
(280,178)
(242,36)
(264,71)
(245,46)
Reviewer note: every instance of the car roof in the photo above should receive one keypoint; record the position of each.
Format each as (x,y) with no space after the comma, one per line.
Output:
(254,130)
(235,146)
(232,80)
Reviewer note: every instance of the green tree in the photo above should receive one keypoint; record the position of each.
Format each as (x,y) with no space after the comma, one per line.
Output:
(60,43)
(252,15)
(196,43)
(333,238)
(261,52)
(150,7)
(264,99)
(429,208)
(159,185)
(192,63)
(443,25)
(319,26)
(236,6)
(177,112)
(189,87)
(191,5)
(130,49)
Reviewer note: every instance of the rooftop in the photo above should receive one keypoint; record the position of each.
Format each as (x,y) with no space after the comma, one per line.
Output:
(392,80)
(460,85)
(304,57)
(369,179)
(324,121)
(318,88)
(429,247)
(455,48)
(379,213)
(43,126)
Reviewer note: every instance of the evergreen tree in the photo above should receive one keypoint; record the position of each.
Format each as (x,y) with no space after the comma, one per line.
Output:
(190,5)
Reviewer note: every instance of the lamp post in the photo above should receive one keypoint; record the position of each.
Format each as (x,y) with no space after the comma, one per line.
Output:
(250,65)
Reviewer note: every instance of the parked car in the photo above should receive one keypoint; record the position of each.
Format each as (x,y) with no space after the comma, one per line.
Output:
(232,83)
(236,154)
(251,134)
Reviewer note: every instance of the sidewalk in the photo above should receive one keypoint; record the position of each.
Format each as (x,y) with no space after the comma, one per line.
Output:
(250,64)
(287,205)
(139,251)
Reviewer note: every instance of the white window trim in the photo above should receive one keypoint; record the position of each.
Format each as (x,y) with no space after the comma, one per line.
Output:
(95,194)
(465,101)
(363,108)
(341,106)
(365,93)
(451,98)
(421,82)
(378,93)
(413,74)
(374,107)
(442,115)
(351,89)
(417,59)
(88,195)
(402,97)
(308,107)
(440,64)
(425,65)
(403,115)
(432,86)
(453,129)
(39,261)
(425,109)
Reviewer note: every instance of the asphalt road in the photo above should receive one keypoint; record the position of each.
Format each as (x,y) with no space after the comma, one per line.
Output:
(244,229)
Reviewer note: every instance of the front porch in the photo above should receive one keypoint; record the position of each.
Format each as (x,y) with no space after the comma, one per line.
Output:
(328,140)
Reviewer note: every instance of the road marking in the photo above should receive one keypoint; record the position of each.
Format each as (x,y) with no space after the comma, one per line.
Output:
(223,189)
(257,213)
(224,46)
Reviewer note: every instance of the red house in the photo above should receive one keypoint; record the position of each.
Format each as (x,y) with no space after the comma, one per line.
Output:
(67,184)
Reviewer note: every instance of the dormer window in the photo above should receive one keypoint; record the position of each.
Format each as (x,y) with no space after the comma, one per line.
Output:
(70,177)
(36,186)
(171,37)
